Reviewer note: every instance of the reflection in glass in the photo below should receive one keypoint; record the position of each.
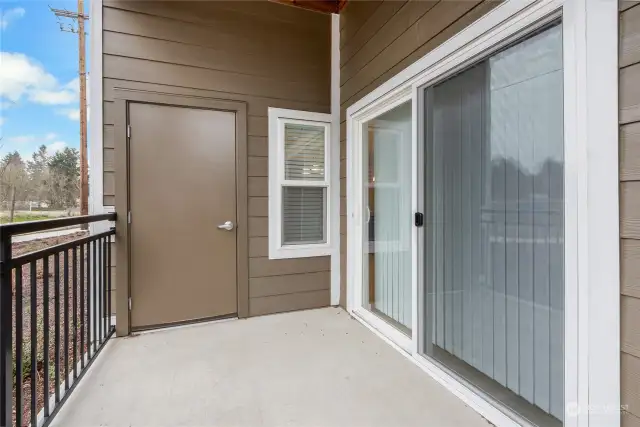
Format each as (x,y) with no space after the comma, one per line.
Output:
(494,234)
(387,234)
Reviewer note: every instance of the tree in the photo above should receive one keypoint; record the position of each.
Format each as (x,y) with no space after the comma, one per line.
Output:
(15,180)
(38,170)
(63,178)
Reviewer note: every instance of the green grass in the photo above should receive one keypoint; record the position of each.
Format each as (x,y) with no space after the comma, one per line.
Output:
(23,218)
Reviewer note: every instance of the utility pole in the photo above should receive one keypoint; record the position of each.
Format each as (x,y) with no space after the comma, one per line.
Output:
(79,17)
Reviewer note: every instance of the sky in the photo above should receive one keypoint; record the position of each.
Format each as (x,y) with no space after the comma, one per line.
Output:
(38,77)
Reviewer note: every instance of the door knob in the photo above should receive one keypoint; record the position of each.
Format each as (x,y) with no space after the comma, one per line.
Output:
(226,226)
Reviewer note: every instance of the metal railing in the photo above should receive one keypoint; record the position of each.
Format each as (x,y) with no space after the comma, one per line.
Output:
(55,316)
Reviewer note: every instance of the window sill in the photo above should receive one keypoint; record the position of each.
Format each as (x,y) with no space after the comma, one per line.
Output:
(300,251)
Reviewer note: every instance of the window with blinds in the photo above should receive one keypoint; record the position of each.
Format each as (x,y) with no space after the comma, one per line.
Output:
(299,183)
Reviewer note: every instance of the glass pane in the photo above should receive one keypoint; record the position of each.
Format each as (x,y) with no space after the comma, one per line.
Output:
(304,152)
(387,234)
(494,236)
(304,215)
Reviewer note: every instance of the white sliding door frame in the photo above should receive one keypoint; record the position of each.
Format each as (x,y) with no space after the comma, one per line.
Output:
(592,270)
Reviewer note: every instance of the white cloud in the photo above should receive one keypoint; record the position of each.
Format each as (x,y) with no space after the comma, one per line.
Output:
(21,139)
(1,121)
(24,139)
(70,113)
(54,147)
(21,76)
(10,15)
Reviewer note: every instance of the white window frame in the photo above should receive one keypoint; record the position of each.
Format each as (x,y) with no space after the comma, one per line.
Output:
(278,117)
(592,269)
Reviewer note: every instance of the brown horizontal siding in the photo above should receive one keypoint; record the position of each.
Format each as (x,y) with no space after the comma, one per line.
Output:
(257,105)
(261,53)
(258,247)
(629,420)
(264,267)
(629,96)
(288,302)
(289,284)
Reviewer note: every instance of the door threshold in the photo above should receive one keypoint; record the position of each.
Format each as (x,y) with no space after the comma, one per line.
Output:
(184,324)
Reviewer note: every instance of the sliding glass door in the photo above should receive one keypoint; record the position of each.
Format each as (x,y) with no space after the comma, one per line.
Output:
(386,145)
(494,238)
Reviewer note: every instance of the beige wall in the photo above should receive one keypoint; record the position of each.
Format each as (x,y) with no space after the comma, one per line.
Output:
(265,54)
(630,210)
(378,39)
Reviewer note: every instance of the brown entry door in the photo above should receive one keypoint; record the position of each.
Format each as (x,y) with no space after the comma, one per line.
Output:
(182,186)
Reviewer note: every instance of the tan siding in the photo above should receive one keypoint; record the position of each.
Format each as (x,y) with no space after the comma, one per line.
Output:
(630,37)
(629,420)
(630,267)
(630,211)
(630,319)
(630,383)
(630,93)
(258,146)
(258,187)
(258,227)
(378,44)
(369,29)
(258,247)
(264,54)
(263,267)
(354,17)
(290,284)
(257,105)
(630,152)
(258,206)
(288,302)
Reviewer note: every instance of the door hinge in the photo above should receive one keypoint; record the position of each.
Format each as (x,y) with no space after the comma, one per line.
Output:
(129,217)
(129,304)
(128,131)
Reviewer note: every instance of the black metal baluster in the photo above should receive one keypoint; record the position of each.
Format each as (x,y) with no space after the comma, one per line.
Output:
(74,299)
(34,342)
(88,300)
(104,287)
(82,315)
(109,282)
(95,298)
(99,297)
(45,320)
(19,367)
(65,265)
(56,320)
(6,330)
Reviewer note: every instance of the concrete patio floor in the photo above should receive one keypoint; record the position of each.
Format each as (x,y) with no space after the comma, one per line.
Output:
(307,368)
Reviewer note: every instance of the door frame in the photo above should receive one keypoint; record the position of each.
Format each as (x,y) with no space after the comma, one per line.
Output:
(592,264)
(124,97)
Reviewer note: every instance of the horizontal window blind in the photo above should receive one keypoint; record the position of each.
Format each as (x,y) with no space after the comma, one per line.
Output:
(304,152)
(303,219)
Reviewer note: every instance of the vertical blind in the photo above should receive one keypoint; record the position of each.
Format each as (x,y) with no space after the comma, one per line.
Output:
(388,192)
(304,207)
(495,194)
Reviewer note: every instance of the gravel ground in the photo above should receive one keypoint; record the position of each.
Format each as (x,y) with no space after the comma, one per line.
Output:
(23,248)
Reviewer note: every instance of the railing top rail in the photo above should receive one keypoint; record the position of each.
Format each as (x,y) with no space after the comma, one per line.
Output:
(42,253)
(7,230)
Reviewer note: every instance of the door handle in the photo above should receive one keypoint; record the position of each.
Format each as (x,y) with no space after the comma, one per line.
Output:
(226,226)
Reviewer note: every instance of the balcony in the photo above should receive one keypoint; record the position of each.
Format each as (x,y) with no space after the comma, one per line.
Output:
(307,368)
